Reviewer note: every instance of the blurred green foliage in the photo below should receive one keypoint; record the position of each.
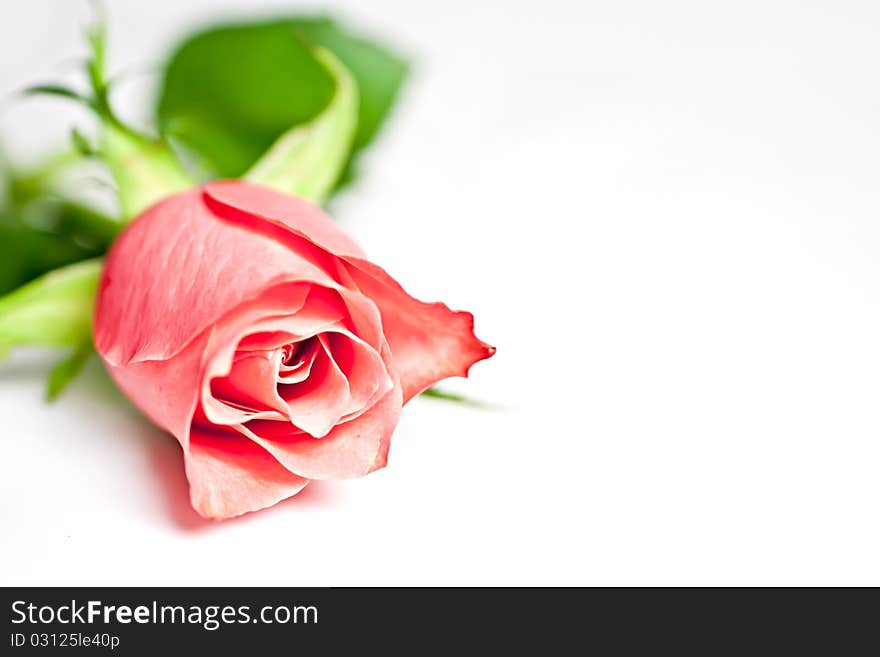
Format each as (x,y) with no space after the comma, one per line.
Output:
(229,92)
(40,230)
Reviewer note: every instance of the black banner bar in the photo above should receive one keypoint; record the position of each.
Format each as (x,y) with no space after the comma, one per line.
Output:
(330,621)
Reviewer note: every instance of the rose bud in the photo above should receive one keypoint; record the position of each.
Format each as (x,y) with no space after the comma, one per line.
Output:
(249,325)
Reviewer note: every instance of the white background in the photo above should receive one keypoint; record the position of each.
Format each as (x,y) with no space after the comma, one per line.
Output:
(664,215)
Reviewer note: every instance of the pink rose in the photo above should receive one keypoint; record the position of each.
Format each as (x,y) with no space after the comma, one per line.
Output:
(247,324)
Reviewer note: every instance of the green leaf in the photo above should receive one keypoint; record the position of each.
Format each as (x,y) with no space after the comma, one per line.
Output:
(35,182)
(82,144)
(54,310)
(230,92)
(307,160)
(436,393)
(60,91)
(379,73)
(48,234)
(39,229)
(66,370)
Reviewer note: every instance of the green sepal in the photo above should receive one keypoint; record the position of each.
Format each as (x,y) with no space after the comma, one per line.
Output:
(145,170)
(54,310)
(67,369)
(308,159)
(443,395)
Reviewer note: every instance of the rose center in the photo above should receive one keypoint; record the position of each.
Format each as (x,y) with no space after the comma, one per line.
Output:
(294,355)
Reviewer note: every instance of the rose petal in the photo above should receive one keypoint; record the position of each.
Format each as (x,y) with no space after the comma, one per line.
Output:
(248,391)
(318,403)
(300,371)
(247,328)
(351,449)
(310,221)
(367,375)
(153,296)
(230,475)
(167,391)
(428,341)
